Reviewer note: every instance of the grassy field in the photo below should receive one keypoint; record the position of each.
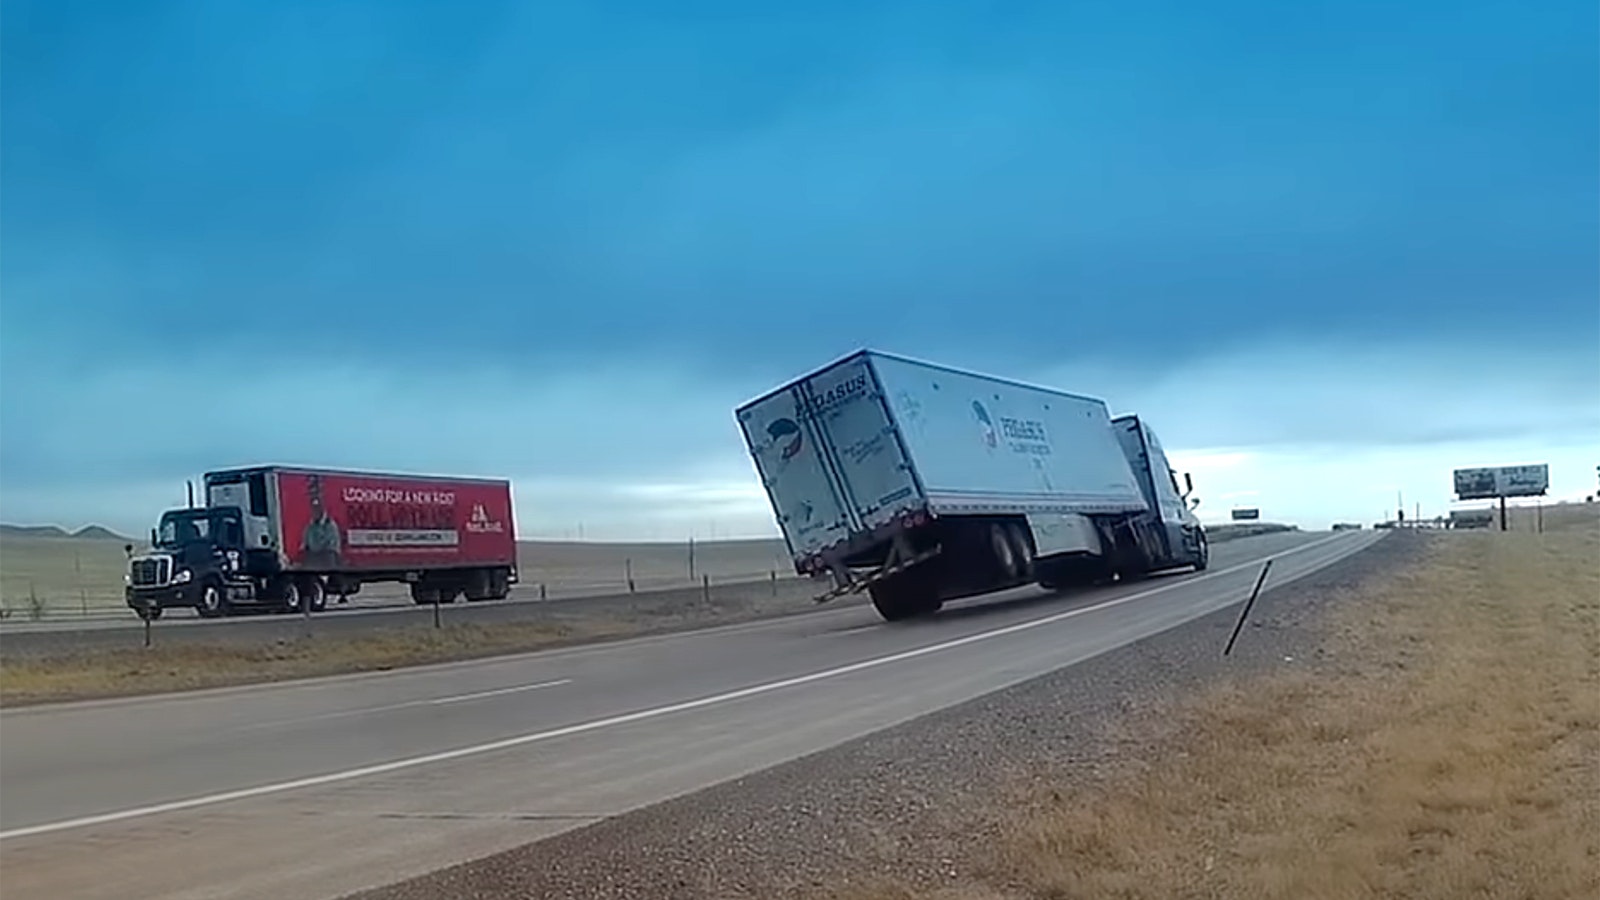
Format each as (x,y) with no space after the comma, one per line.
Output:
(51,576)
(1453,750)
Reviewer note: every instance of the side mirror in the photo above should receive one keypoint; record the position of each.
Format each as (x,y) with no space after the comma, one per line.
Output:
(127,550)
(152,537)
(1194,503)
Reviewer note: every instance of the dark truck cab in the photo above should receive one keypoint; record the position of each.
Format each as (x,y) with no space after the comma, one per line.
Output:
(197,559)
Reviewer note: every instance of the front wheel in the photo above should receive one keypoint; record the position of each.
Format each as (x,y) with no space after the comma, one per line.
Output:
(211,605)
(1203,557)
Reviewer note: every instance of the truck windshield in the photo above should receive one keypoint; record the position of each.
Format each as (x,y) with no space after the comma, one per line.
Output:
(180,529)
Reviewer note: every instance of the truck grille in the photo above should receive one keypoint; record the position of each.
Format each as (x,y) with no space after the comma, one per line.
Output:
(151,571)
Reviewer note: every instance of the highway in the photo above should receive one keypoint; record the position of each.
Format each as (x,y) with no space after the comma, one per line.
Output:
(318,788)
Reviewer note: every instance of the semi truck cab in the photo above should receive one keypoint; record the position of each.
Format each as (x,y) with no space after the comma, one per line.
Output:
(196,558)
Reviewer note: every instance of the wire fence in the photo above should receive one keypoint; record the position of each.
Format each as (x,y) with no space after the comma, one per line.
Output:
(28,603)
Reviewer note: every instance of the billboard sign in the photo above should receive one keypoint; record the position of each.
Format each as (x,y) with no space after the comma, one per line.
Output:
(337,520)
(1243,515)
(1487,483)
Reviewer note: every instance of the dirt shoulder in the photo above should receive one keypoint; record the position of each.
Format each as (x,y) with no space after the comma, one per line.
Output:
(1419,720)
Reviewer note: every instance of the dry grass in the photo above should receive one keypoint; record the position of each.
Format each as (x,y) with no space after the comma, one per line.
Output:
(1452,751)
(180,666)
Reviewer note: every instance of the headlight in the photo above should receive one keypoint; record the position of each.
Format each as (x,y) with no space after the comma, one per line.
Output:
(183,576)
(127,578)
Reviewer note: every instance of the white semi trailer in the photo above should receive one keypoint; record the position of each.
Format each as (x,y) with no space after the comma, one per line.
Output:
(920,483)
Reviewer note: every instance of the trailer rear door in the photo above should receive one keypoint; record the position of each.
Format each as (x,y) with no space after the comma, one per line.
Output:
(847,403)
(790,459)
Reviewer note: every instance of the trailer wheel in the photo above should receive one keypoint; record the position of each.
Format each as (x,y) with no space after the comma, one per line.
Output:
(499,584)
(903,597)
(424,594)
(211,605)
(1003,552)
(312,592)
(1023,547)
(288,595)
(480,585)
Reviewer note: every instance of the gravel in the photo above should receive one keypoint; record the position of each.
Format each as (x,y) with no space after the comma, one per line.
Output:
(917,803)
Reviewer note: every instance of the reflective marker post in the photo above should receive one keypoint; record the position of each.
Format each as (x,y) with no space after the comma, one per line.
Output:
(1248,604)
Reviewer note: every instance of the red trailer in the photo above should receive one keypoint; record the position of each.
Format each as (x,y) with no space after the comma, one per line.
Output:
(284,536)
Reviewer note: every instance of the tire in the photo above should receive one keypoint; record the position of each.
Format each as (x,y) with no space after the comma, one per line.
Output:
(900,598)
(311,592)
(1003,553)
(289,596)
(499,584)
(479,586)
(211,604)
(1203,558)
(424,594)
(449,592)
(1022,546)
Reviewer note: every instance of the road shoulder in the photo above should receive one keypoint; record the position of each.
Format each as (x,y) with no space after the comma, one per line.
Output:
(922,804)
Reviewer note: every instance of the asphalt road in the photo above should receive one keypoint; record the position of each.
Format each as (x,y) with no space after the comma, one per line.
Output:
(315,789)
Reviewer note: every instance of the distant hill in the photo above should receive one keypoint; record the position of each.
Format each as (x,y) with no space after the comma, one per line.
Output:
(87,532)
(33,531)
(97,533)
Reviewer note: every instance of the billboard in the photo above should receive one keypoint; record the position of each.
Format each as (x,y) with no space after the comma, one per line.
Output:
(336,521)
(1487,483)
(1242,515)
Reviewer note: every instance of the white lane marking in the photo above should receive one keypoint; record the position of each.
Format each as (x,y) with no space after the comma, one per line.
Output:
(459,698)
(409,704)
(628,718)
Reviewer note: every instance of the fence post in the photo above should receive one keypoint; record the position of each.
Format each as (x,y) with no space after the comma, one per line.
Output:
(705,588)
(774,582)
(83,592)
(628,566)
(542,594)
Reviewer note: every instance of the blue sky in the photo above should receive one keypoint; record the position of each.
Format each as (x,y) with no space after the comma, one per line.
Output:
(1332,250)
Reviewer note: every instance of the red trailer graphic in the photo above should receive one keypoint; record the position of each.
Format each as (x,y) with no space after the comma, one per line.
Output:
(336,521)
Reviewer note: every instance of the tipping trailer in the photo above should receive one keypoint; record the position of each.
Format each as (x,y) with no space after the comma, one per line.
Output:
(286,538)
(921,483)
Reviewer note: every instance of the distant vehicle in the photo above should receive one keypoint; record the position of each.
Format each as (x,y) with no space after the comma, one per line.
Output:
(920,483)
(1471,518)
(1347,526)
(284,538)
